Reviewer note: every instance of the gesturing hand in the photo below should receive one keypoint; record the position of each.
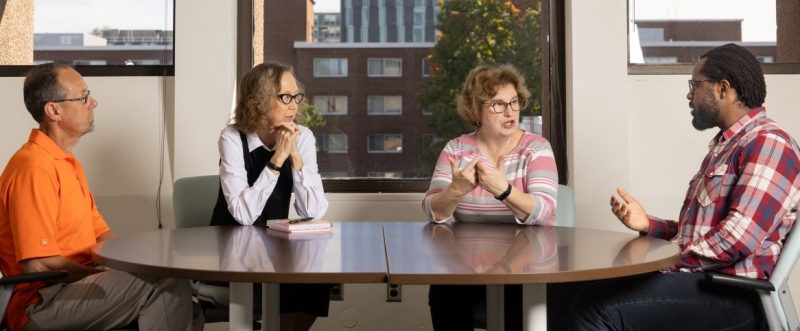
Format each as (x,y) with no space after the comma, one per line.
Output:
(493,179)
(629,211)
(464,180)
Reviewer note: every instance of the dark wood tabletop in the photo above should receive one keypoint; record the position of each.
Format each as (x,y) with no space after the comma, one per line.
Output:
(480,253)
(352,253)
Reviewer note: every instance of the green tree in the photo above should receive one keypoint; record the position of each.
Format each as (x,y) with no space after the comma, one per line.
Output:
(310,117)
(472,33)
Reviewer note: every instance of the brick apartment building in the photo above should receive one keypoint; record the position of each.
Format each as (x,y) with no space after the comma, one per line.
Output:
(367,91)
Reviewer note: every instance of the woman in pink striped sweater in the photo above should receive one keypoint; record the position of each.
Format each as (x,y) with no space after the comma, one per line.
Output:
(498,173)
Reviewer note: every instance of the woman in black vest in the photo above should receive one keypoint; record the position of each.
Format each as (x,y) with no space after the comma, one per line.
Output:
(265,157)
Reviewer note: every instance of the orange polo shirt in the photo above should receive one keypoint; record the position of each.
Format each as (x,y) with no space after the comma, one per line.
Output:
(46,209)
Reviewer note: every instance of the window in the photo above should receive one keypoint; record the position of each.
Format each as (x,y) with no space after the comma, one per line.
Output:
(330,67)
(677,33)
(384,105)
(385,67)
(381,68)
(331,142)
(385,143)
(95,33)
(331,104)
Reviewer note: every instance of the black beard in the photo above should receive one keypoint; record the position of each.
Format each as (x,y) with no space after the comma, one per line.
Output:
(705,114)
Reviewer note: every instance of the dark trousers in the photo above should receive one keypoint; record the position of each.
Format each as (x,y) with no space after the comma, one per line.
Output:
(656,301)
(463,307)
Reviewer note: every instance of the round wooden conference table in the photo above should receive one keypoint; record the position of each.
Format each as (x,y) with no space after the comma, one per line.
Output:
(397,252)
(497,254)
(352,253)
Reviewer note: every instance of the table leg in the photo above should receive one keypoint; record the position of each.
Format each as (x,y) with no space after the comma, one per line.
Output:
(494,308)
(534,307)
(270,307)
(240,314)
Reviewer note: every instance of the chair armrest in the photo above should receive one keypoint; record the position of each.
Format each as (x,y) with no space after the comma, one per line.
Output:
(738,281)
(32,277)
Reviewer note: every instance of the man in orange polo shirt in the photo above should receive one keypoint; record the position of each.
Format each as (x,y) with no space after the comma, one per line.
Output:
(49,221)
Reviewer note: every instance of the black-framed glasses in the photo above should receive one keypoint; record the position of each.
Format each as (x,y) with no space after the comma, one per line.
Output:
(84,99)
(499,107)
(287,98)
(694,82)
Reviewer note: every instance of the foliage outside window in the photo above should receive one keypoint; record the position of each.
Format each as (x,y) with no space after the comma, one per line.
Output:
(473,33)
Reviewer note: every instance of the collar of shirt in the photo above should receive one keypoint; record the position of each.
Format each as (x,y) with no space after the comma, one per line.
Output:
(724,136)
(42,140)
(253,142)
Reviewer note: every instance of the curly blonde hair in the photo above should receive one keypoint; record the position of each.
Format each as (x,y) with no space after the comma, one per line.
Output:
(256,92)
(482,84)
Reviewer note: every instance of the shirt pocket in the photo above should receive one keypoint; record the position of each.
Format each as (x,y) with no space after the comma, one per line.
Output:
(714,185)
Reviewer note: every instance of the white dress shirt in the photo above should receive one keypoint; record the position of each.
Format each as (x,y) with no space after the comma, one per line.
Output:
(246,202)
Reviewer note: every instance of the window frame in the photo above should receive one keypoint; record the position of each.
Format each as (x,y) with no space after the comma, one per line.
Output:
(163,70)
(346,101)
(383,61)
(341,59)
(384,135)
(383,102)
(686,68)
(327,137)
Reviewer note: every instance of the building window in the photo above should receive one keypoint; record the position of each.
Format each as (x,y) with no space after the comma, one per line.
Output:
(331,104)
(385,143)
(669,32)
(426,111)
(330,67)
(390,67)
(331,143)
(385,105)
(426,68)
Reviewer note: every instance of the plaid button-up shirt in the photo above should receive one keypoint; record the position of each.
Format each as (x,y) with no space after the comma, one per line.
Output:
(741,203)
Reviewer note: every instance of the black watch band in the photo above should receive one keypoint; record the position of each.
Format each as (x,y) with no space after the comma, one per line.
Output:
(505,194)
(273,166)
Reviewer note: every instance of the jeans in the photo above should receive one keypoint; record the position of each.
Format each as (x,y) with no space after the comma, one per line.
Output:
(656,301)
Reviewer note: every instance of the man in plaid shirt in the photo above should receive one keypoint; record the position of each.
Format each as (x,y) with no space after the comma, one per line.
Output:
(738,210)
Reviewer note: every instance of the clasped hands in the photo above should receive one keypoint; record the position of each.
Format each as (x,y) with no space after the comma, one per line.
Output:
(491,178)
(286,134)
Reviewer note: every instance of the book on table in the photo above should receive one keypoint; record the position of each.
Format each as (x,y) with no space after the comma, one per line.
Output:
(296,225)
(300,235)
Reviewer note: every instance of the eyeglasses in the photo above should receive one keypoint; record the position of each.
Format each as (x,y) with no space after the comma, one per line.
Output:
(84,99)
(499,107)
(693,83)
(287,98)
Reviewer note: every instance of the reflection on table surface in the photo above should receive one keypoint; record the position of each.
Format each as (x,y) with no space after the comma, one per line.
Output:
(352,253)
(481,253)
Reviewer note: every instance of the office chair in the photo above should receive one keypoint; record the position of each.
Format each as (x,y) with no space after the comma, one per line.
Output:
(193,200)
(776,299)
(565,210)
